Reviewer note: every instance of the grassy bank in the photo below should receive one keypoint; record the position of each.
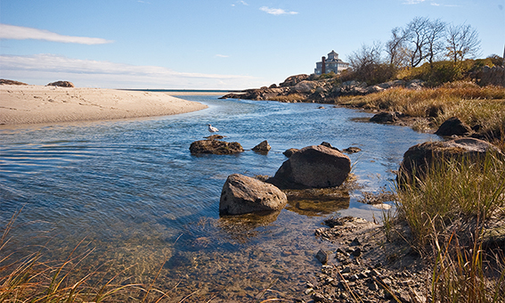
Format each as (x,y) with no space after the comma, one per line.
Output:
(479,107)
(445,215)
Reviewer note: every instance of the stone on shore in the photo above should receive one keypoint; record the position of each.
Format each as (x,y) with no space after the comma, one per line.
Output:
(420,157)
(263,147)
(242,194)
(314,166)
(214,146)
(61,84)
(453,126)
(384,117)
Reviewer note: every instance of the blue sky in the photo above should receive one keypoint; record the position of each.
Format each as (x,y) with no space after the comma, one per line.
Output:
(208,44)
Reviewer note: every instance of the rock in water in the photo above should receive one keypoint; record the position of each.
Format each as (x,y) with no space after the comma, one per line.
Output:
(242,194)
(314,166)
(289,152)
(453,126)
(214,146)
(263,147)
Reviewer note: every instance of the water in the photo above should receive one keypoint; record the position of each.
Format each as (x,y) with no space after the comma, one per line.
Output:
(132,190)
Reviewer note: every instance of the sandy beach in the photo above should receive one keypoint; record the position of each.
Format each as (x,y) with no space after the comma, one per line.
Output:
(30,104)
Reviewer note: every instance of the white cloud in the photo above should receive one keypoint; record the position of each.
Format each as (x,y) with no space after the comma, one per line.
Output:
(21,33)
(45,68)
(413,1)
(276,11)
(222,56)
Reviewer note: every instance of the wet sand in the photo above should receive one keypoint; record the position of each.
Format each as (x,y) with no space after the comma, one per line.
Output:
(31,104)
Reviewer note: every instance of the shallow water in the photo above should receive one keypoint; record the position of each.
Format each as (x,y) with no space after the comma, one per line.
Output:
(133,191)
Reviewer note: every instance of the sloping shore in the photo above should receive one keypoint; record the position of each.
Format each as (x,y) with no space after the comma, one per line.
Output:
(30,104)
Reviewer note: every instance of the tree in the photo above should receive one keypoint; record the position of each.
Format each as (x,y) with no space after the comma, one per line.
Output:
(417,33)
(462,42)
(396,48)
(434,45)
(367,56)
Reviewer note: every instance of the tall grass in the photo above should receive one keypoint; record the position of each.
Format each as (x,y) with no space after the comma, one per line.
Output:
(475,105)
(446,211)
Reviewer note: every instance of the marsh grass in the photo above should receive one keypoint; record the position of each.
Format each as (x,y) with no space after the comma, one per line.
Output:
(446,212)
(31,278)
(475,105)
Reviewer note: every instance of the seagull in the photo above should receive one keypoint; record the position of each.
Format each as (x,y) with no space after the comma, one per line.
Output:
(212,129)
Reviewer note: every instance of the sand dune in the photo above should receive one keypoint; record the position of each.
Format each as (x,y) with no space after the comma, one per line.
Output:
(29,104)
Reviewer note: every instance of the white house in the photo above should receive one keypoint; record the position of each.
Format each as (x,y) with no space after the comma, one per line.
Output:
(332,64)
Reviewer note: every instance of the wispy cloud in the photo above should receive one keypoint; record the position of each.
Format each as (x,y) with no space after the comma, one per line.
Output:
(413,1)
(222,56)
(110,74)
(276,11)
(241,2)
(22,33)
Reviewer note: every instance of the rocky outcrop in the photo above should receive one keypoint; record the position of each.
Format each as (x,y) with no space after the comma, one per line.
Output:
(453,126)
(214,146)
(418,158)
(11,82)
(262,148)
(305,88)
(314,166)
(294,80)
(242,194)
(61,84)
(492,76)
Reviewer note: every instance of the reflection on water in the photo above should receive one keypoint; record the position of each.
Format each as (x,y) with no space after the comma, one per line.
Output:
(133,190)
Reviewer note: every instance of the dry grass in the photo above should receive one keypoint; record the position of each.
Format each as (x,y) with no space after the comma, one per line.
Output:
(289,98)
(475,105)
(446,212)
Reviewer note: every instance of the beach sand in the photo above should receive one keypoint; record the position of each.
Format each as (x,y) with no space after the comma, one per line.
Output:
(30,104)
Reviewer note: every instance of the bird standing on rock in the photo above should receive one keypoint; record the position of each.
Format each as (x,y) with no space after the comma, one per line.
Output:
(212,129)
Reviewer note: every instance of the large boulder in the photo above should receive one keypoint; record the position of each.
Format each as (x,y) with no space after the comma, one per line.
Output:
(420,157)
(314,166)
(61,84)
(216,147)
(453,126)
(304,87)
(242,194)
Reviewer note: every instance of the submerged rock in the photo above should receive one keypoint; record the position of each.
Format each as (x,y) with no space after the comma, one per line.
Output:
(242,194)
(314,166)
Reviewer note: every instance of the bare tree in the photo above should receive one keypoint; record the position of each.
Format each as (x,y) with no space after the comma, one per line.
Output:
(396,48)
(368,55)
(417,33)
(462,42)
(434,45)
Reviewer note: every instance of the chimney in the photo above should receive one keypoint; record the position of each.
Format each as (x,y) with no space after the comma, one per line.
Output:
(323,65)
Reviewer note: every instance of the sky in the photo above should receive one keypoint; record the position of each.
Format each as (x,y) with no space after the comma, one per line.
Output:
(209,44)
